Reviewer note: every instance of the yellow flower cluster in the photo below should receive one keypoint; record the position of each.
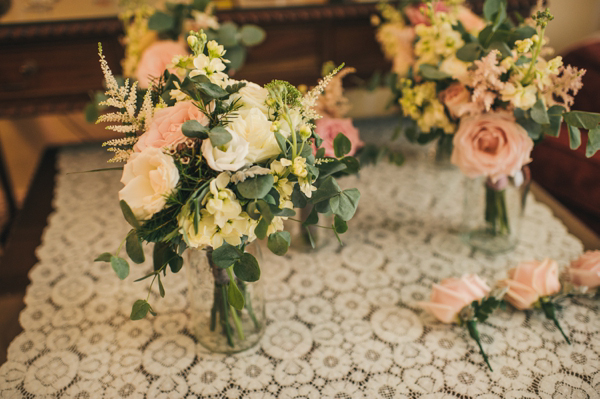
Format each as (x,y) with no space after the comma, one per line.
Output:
(437,41)
(420,103)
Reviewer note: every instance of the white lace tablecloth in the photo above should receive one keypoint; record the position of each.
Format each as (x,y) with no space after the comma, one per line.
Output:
(342,322)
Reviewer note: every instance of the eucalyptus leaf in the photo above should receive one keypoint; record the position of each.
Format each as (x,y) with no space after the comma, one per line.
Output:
(265,211)
(246,268)
(226,255)
(161,288)
(582,120)
(256,187)
(261,229)
(539,112)
(339,225)
(194,129)
(505,51)
(219,136)
(212,90)
(235,296)
(298,198)
(341,145)
(344,205)
(120,266)
(236,56)
(431,72)
(228,34)
(555,114)
(128,214)
(469,52)
(105,257)
(133,246)
(281,142)
(593,143)
(312,218)
(175,263)
(251,35)
(574,137)
(159,21)
(139,310)
(279,242)
(327,189)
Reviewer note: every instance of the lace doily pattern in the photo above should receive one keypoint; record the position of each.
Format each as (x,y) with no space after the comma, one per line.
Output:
(342,322)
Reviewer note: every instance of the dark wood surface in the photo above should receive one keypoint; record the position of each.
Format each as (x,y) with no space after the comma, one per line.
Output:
(25,236)
(52,67)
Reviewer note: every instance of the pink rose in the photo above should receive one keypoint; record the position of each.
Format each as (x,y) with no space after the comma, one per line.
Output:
(531,280)
(470,20)
(416,13)
(491,145)
(457,98)
(585,271)
(453,294)
(165,129)
(329,128)
(155,59)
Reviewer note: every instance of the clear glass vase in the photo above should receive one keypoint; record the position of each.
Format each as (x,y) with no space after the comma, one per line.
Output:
(216,324)
(313,237)
(442,151)
(493,211)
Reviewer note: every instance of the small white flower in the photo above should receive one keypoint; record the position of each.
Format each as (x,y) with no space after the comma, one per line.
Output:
(215,50)
(231,156)
(211,68)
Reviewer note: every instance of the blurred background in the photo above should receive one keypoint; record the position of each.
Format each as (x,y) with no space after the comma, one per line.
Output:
(49,69)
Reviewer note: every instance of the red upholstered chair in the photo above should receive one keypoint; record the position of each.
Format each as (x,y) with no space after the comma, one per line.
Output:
(568,175)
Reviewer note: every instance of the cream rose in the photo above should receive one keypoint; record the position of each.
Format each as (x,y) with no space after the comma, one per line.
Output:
(457,98)
(230,157)
(251,96)
(255,128)
(454,67)
(585,271)
(450,296)
(529,281)
(165,129)
(491,145)
(149,176)
(156,59)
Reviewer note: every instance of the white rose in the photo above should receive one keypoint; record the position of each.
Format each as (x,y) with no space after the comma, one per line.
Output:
(255,128)
(251,96)
(454,67)
(149,176)
(231,156)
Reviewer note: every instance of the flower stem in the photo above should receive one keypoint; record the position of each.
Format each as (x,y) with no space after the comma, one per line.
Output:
(536,52)
(225,317)
(474,333)
(496,214)
(550,312)
(238,323)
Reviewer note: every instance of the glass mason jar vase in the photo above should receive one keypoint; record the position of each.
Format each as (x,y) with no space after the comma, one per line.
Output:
(443,151)
(492,212)
(313,237)
(216,324)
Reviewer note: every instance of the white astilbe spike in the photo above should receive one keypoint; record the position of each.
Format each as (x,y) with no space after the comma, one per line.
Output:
(310,99)
(120,142)
(130,119)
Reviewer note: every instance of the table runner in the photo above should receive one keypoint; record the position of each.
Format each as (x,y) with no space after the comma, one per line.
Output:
(342,322)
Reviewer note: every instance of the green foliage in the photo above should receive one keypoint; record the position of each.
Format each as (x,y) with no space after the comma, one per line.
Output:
(487,306)
(582,120)
(246,268)
(120,266)
(228,34)
(539,113)
(159,21)
(194,129)
(133,246)
(219,136)
(469,52)
(251,35)
(226,255)
(555,115)
(279,242)
(289,93)
(432,72)
(256,187)
(128,214)
(593,144)
(328,189)
(105,257)
(574,137)
(235,296)
(236,56)
(140,309)
(339,225)
(341,145)
(345,203)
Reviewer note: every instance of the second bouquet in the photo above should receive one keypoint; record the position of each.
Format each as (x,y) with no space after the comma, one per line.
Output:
(211,165)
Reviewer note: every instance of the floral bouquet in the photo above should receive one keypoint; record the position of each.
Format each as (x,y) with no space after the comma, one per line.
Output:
(153,37)
(213,163)
(421,40)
